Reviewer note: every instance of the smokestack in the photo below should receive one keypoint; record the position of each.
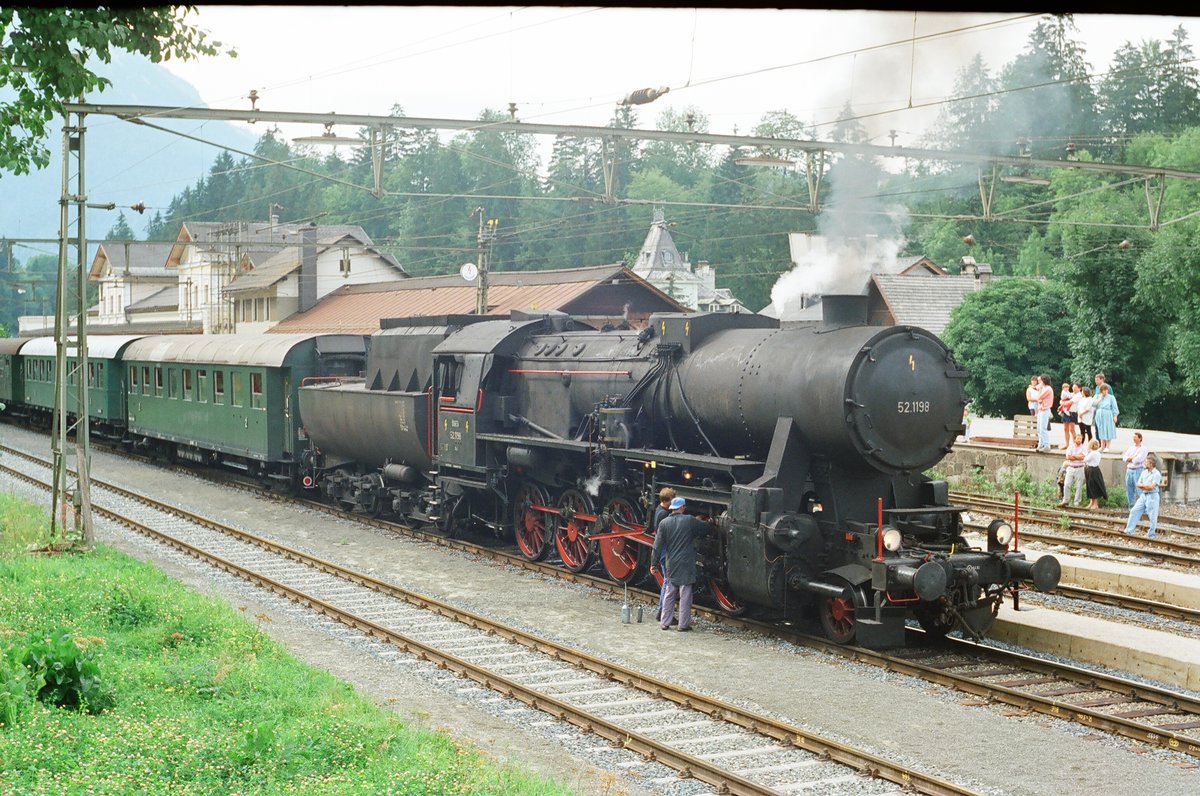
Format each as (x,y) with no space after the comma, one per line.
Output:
(844,310)
(308,266)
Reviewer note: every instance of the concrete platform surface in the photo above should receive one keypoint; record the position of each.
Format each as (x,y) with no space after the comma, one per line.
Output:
(1153,654)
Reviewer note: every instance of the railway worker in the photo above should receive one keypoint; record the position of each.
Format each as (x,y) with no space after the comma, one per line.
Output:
(665,496)
(1148,484)
(1045,398)
(1135,460)
(676,541)
(1075,456)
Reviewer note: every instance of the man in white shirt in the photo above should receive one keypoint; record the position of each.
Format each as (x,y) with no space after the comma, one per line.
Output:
(1148,497)
(1135,460)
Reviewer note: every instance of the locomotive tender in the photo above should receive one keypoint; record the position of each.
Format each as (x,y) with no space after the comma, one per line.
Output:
(804,446)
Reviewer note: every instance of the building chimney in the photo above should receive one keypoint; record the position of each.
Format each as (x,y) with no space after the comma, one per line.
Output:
(308,266)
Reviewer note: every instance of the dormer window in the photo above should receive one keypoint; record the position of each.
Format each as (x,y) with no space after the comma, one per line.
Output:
(668,257)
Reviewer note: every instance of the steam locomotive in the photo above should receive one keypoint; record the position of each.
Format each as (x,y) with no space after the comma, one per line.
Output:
(804,446)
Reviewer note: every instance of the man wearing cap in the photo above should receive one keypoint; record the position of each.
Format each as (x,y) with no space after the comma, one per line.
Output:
(676,541)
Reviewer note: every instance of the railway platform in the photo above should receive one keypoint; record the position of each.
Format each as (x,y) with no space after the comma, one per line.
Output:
(1155,654)
(1002,442)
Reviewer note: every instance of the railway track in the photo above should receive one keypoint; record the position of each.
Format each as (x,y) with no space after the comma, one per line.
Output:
(1178,540)
(1157,716)
(730,748)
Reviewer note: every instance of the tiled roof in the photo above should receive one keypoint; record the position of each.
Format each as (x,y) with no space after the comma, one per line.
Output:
(924,301)
(145,260)
(357,309)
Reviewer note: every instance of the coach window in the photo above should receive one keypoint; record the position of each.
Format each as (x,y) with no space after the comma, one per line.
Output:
(99,374)
(133,382)
(91,374)
(187,384)
(235,389)
(172,383)
(256,392)
(218,386)
(158,380)
(145,379)
(202,385)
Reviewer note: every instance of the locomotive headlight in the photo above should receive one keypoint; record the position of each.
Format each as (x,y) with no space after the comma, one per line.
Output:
(892,539)
(1000,535)
(687,475)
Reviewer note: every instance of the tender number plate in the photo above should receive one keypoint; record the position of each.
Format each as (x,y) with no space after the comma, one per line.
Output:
(912,407)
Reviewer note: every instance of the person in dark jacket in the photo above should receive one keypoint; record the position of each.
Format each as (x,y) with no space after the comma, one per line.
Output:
(676,540)
(665,496)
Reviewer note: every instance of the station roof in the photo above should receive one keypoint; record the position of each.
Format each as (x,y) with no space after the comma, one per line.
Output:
(598,291)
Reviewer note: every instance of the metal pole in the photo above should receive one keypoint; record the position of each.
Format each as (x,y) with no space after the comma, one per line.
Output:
(86,378)
(481,288)
(57,441)
(68,498)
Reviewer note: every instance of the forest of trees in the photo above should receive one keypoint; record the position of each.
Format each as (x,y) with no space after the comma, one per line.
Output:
(1090,283)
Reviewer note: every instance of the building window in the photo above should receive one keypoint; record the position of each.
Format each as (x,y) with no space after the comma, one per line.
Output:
(668,257)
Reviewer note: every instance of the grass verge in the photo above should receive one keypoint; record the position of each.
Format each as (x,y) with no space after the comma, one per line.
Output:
(178,694)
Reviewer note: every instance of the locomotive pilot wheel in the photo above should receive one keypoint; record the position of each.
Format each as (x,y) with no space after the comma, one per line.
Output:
(625,560)
(572,531)
(837,614)
(726,600)
(530,524)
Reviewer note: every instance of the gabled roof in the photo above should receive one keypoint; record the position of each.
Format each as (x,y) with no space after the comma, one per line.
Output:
(920,265)
(165,299)
(924,301)
(599,291)
(284,262)
(144,261)
(250,235)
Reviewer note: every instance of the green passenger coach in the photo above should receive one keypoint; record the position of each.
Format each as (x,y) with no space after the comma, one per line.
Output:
(12,376)
(104,375)
(230,400)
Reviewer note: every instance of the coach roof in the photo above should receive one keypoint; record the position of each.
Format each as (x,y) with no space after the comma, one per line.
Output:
(221,349)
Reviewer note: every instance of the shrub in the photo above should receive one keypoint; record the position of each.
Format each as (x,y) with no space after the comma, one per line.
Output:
(67,675)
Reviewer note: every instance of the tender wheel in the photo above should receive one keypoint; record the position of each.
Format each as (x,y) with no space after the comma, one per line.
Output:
(726,600)
(530,524)
(936,618)
(625,560)
(453,512)
(572,534)
(837,614)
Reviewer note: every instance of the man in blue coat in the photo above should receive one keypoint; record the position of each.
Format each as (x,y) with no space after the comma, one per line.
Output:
(676,541)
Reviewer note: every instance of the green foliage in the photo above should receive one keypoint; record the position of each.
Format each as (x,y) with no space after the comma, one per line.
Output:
(45,58)
(1006,332)
(67,674)
(204,702)
(16,688)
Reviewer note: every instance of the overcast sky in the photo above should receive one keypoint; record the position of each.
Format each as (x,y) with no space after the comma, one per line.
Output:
(570,65)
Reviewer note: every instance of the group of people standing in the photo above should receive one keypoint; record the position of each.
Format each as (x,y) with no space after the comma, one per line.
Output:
(1093,415)
(1142,480)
